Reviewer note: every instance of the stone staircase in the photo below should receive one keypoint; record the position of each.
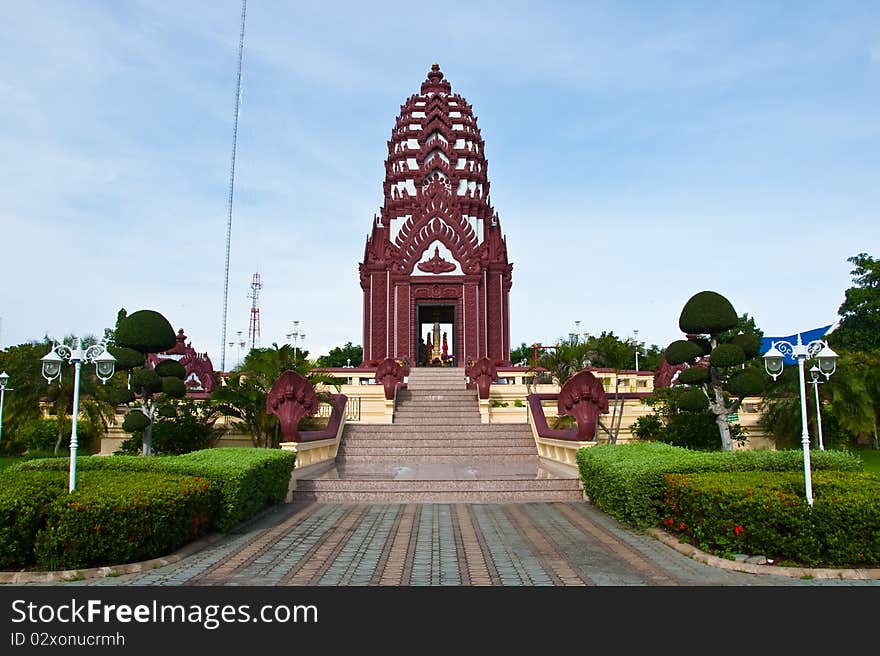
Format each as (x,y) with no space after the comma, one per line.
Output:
(437,451)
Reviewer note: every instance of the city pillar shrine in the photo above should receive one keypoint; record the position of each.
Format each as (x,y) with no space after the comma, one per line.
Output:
(435,274)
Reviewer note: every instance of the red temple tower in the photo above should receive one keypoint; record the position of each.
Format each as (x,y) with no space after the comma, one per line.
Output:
(436,255)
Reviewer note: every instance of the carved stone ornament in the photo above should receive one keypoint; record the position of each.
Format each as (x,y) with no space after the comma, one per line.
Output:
(583,397)
(483,373)
(436,264)
(291,398)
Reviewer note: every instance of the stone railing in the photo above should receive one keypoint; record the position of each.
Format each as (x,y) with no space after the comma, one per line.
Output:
(315,447)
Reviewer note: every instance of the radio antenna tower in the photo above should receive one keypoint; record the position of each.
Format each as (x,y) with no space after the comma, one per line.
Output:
(254,330)
(232,184)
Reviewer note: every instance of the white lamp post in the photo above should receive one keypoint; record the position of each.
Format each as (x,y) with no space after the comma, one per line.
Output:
(636,333)
(4,381)
(105,365)
(294,336)
(814,375)
(827,359)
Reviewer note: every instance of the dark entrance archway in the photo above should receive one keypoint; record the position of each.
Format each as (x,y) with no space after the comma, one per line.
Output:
(434,322)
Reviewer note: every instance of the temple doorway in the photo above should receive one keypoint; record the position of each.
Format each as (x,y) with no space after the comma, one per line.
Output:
(436,325)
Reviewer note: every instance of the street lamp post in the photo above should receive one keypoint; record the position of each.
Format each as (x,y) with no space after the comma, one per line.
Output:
(105,364)
(294,336)
(241,342)
(636,333)
(814,376)
(4,381)
(827,360)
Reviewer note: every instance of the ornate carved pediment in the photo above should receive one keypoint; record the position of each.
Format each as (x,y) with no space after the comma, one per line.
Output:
(436,264)
(435,291)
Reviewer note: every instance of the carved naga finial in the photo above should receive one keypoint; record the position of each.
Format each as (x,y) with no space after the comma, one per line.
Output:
(583,397)
(291,398)
(483,373)
(390,374)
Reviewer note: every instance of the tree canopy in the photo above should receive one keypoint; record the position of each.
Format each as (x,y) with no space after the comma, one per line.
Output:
(859,313)
(342,356)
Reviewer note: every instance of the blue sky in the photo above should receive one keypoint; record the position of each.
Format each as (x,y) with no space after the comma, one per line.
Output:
(638,153)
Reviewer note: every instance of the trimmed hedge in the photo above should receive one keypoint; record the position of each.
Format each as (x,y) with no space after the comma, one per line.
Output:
(627,481)
(766,513)
(114,518)
(24,501)
(248,480)
(111,517)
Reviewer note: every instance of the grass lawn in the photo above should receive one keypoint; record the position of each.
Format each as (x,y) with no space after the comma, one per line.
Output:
(5,461)
(870,458)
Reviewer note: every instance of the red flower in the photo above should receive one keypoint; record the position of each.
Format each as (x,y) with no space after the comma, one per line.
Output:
(681,527)
(739,529)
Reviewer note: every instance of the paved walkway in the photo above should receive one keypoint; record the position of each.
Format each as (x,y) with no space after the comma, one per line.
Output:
(533,544)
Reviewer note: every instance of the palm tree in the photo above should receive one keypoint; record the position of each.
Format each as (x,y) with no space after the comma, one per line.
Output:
(244,395)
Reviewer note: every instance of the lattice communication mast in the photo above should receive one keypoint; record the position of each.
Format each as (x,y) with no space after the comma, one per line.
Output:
(232,185)
(254,329)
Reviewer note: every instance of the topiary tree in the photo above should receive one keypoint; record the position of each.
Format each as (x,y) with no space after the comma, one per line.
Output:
(136,335)
(721,350)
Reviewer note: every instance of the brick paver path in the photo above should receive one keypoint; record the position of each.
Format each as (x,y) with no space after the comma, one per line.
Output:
(533,544)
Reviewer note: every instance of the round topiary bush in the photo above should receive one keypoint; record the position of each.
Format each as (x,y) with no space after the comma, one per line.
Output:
(118,396)
(750,344)
(694,376)
(171,368)
(146,381)
(727,355)
(173,387)
(746,382)
(693,400)
(704,344)
(681,351)
(146,331)
(126,358)
(134,422)
(707,313)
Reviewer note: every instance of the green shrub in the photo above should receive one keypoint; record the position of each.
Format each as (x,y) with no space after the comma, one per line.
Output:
(134,421)
(146,380)
(749,343)
(146,331)
(727,355)
(627,480)
(173,387)
(694,376)
(115,518)
(767,514)
(681,351)
(171,368)
(693,400)
(707,313)
(746,382)
(126,358)
(24,503)
(248,480)
(180,426)
(39,434)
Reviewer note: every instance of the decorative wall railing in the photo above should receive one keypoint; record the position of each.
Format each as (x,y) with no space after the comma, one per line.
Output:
(352,409)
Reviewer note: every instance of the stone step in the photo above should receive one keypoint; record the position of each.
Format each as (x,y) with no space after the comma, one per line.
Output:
(437,416)
(448,421)
(452,442)
(375,429)
(439,451)
(444,457)
(427,388)
(448,398)
(440,438)
(438,491)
